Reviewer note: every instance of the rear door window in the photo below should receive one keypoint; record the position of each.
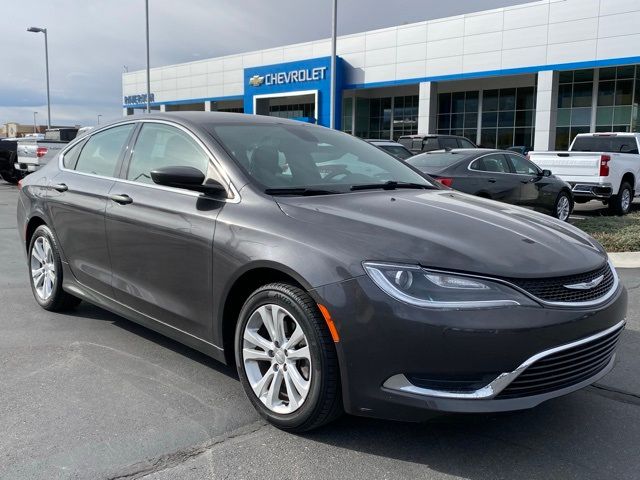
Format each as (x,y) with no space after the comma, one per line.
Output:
(102,151)
(448,142)
(494,163)
(431,144)
(464,143)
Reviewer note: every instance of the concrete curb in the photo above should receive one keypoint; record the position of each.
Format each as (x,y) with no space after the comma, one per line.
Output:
(625,259)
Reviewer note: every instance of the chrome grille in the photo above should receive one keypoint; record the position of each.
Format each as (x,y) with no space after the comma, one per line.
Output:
(564,368)
(554,289)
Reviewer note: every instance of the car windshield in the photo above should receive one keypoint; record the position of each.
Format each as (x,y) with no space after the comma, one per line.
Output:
(307,158)
(437,160)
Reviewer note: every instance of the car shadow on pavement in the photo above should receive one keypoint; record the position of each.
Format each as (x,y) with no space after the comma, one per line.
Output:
(597,209)
(91,312)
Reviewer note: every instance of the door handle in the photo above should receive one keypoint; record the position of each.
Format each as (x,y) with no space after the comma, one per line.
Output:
(60,187)
(492,180)
(122,199)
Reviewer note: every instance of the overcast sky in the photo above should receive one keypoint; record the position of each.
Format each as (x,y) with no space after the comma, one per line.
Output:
(91,40)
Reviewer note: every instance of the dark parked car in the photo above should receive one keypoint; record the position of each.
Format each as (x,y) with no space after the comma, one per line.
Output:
(392,148)
(8,155)
(500,175)
(360,285)
(429,143)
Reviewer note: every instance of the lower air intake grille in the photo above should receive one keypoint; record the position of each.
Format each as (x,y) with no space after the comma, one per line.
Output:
(565,368)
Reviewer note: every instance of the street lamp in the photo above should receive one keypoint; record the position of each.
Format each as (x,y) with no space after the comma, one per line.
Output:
(46,59)
(99,119)
(146,11)
(332,91)
(35,128)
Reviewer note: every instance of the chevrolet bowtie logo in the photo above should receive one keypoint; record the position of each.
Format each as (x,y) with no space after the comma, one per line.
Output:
(256,81)
(586,285)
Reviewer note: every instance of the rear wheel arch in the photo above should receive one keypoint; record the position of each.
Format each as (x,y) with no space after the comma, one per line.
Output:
(239,291)
(34,222)
(630,179)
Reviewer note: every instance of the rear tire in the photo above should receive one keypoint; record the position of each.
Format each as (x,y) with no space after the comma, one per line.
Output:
(563,207)
(45,272)
(620,204)
(292,380)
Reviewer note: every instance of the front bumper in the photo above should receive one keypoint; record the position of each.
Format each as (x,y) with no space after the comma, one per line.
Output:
(402,362)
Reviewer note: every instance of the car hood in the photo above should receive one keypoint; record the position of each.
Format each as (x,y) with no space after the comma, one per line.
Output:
(444,229)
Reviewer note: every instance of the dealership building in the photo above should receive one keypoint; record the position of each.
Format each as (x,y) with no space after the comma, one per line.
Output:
(533,74)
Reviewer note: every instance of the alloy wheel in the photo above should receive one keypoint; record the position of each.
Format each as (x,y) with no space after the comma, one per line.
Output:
(563,209)
(625,201)
(276,359)
(43,268)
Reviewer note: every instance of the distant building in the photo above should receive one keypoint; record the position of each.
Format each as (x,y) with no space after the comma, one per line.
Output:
(13,129)
(533,74)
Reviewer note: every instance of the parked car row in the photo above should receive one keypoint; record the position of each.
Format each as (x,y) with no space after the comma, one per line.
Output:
(598,166)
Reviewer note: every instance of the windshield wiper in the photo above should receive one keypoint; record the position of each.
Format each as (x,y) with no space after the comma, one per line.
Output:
(298,191)
(391,185)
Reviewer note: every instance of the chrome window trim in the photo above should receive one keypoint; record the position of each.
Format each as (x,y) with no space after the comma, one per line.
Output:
(235,195)
(401,383)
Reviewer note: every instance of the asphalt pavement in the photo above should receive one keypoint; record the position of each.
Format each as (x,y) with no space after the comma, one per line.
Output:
(92,395)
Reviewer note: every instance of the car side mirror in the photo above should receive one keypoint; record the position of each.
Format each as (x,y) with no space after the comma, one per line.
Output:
(189,178)
(546,173)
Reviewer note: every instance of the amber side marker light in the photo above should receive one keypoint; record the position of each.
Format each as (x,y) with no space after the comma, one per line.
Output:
(332,326)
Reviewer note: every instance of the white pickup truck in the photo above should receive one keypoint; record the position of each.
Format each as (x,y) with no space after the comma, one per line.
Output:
(34,152)
(598,166)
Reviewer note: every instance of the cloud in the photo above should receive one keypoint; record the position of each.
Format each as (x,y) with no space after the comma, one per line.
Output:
(91,41)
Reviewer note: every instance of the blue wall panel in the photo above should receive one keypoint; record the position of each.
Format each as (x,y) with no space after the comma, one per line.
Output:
(312,74)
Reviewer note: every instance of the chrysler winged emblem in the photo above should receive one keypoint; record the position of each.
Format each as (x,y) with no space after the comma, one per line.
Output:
(256,81)
(586,285)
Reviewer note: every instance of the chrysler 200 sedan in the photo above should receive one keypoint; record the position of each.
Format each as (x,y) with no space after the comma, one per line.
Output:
(335,277)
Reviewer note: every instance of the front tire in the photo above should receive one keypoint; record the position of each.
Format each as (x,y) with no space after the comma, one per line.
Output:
(563,207)
(45,269)
(286,359)
(620,204)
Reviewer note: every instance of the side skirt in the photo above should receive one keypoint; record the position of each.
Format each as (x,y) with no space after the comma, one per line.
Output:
(113,306)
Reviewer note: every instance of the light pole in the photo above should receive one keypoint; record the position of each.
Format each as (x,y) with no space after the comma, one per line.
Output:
(99,119)
(35,128)
(332,95)
(146,12)
(46,62)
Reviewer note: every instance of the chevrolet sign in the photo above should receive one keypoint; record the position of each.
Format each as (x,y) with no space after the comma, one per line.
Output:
(292,76)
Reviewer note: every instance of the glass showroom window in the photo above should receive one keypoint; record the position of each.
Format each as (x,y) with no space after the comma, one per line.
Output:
(618,99)
(458,114)
(508,117)
(347,115)
(380,117)
(375,117)
(405,116)
(297,110)
(574,106)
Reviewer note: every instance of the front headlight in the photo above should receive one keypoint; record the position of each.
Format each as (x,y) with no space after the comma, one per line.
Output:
(415,285)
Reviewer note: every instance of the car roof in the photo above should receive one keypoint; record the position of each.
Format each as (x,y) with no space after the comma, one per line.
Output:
(200,118)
